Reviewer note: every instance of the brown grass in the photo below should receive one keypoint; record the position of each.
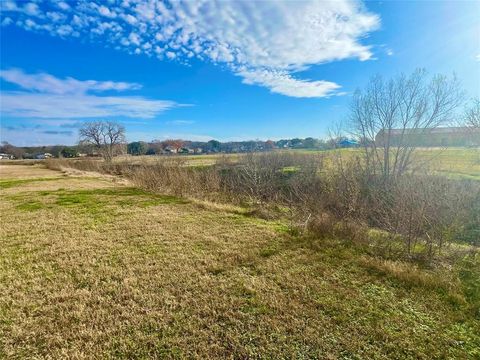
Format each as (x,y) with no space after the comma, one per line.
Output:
(98,270)
(25,172)
(311,187)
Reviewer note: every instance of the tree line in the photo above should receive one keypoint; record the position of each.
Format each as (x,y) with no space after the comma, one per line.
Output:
(92,143)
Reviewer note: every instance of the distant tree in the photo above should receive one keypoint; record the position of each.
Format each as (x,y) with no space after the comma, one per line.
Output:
(69,152)
(107,137)
(214,145)
(310,143)
(471,118)
(320,144)
(284,143)
(55,150)
(174,143)
(155,147)
(405,105)
(270,145)
(296,143)
(250,145)
(8,148)
(137,148)
(472,114)
(334,141)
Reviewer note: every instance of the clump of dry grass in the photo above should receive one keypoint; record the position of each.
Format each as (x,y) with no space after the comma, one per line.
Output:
(411,275)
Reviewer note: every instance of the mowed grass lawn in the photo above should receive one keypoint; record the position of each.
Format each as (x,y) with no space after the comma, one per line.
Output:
(93,269)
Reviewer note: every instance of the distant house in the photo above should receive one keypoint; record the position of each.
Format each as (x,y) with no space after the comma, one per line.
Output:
(348,143)
(4,156)
(197,150)
(441,136)
(42,156)
(170,150)
(185,150)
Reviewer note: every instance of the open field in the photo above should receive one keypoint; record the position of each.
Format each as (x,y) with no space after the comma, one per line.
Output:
(90,268)
(453,162)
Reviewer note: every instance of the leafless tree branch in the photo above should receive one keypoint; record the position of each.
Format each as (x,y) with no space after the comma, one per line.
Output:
(107,137)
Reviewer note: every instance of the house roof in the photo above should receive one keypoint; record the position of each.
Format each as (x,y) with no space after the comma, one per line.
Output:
(349,142)
(438,130)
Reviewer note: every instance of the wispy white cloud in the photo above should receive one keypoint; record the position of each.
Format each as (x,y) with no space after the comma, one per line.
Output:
(37,136)
(50,97)
(29,8)
(63,5)
(64,123)
(47,83)
(264,42)
(282,83)
(58,123)
(58,132)
(39,105)
(180,122)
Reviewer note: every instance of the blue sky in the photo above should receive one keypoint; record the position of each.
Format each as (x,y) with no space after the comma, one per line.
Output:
(224,70)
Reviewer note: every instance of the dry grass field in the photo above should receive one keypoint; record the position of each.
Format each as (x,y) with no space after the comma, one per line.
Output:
(453,162)
(95,269)
(461,163)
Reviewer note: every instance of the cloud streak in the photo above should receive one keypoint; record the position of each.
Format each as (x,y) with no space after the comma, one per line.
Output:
(281,82)
(180,122)
(47,83)
(21,104)
(55,132)
(36,136)
(265,43)
(50,97)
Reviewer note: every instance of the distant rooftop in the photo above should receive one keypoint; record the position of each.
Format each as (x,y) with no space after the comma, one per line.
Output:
(438,130)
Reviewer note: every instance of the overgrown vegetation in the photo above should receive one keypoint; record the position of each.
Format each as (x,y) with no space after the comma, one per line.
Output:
(420,211)
(101,275)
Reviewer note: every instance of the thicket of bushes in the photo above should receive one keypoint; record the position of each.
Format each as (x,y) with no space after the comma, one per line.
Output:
(413,214)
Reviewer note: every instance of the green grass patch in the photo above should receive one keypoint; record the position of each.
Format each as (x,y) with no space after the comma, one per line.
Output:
(290,169)
(113,196)
(98,204)
(459,175)
(5,184)
(469,274)
(269,251)
(31,205)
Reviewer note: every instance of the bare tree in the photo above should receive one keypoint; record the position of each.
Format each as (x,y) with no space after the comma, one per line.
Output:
(174,143)
(8,148)
(107,137)
(388,116)
(471,118)
(472,114)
